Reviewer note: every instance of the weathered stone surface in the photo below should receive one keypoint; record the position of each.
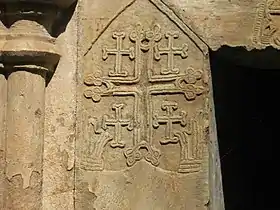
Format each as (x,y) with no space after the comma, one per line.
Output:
(219,22)
(140,70)
(144,112)
(29,56)
(60,125)
(3,104)
(24,139)
(266,30)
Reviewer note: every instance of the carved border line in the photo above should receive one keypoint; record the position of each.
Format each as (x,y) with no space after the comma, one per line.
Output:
(170,14)
(177,21)
(108,24)
(186,165)
(92,164)
(135,94)
(156,91)
(259,22)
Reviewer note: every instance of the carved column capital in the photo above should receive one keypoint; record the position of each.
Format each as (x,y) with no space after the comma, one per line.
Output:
(29,39)
(58,3)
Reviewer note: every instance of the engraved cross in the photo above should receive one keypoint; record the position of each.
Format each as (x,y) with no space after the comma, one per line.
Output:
(118,123)
(171,51)
(169,119)
(118,52)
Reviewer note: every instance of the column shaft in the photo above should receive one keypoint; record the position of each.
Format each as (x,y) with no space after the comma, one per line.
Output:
(3,103)
(25,124)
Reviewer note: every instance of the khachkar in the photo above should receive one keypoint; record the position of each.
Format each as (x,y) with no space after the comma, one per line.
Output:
(28,59)
(144,114)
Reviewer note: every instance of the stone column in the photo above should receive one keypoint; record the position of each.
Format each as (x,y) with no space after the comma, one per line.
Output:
(3,103)
(3,96)
(25,123)
(29,56)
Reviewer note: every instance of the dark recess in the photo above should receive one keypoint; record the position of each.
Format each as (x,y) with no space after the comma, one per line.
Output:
(246,96)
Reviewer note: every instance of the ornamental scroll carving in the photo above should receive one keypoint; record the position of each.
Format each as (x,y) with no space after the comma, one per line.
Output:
(143,81)
(268,24)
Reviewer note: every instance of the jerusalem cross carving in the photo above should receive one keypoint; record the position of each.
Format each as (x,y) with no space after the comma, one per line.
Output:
(148,48)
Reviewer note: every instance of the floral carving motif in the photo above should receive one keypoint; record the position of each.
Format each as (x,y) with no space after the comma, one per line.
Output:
(188,83)
(94,79)
(192,91)
(274,4)
(133,154)
(98,86)
(192,75)
(154,34)
(146,38)
(94,94)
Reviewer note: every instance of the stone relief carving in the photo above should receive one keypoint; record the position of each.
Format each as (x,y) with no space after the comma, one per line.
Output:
(170,51)
(118,52)
(118,123)
(148,47)
(28,58)
(267,24)
(168,120)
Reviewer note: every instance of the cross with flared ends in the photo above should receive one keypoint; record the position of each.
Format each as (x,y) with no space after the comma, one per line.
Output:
(171,51)
(118,123)
(119,52)
(169,119)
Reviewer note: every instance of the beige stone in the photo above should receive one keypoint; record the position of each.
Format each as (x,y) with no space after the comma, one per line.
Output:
(126,121)
(144,113)
(3,106)
(24,140)
(220,22)
(29,57)
(60,125)
(3,95)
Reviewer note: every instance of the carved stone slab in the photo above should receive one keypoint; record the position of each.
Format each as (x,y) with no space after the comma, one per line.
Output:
(267,24)
(143,112)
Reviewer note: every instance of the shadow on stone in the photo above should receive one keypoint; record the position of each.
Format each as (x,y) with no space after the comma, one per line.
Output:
(246,89)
